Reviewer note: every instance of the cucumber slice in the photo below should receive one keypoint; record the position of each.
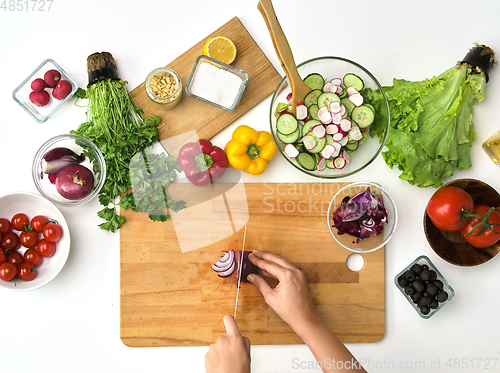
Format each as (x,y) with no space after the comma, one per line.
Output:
(314,81)
(343,93)
(352,146)
(309,125)
(313,111)
(326,98)
(352,80)
(306,161)
(329,139)
(329,163)
(289,139)
(286,124)
(320,143)
(363,116)
(348,105)
(312,97)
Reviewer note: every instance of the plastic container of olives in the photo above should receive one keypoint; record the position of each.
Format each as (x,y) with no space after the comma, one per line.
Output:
(424,287)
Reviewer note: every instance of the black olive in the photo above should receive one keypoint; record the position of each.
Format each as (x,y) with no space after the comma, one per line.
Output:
(425,267)
(434,304)
(425,275)
(409,290)
(417,268)
(431,289)
(425,310)
(438,284)
(415,297)
(417,285)
(410,275)
(402,281)
(434,275)
(425,300)
(442,296)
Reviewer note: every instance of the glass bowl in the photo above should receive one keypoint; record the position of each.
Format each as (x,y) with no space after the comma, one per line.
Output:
(329,68)
(158,85)
(374,242)
(216,83)
(424,260)
(94,161)
(22,92)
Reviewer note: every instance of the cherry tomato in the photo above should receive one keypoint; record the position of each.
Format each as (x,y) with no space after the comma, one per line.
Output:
(46,248)
(5,226)
(15,258)
(38,222)
(3,258)
(19,221)
(445,207)
(29,239)
(52,232)
(32,256)
(26,272)
(7,271)
(10,242)
(489,236)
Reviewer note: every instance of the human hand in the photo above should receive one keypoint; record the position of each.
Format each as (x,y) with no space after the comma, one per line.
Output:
(230,353)
(291,298)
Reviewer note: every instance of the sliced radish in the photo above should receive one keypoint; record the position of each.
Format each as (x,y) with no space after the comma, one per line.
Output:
(343,111)
(339,90)
(351,90)
(329,87)
(337,137)
(327,151)
(345,124)
(332,129)
(355,133)
(285,110)
(336,81)
(339,163)
(346,156)
(324,115)
(321,164)
(344,140)
(335,107)
(301,112)
(337,148)
(336,118)
(319,131)
(291,151)
(356,99)
(309,142)
(289,98)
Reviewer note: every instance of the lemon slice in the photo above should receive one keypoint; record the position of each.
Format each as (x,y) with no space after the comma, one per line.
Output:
(221,49)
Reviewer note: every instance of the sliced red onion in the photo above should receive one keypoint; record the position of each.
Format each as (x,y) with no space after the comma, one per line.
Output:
(225,265)
(58,158)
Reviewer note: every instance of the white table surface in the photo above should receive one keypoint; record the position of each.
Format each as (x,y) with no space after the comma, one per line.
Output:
(73,323)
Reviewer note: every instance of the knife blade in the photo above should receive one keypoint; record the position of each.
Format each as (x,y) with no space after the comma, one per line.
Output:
(240,266)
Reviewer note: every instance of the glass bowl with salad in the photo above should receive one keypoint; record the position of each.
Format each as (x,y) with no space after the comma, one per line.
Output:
(362,217)
(329,135)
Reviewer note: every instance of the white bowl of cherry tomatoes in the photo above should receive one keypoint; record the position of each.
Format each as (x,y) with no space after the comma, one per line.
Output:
(34,243)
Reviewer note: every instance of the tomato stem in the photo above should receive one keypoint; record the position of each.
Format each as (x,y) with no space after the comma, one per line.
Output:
(484,223)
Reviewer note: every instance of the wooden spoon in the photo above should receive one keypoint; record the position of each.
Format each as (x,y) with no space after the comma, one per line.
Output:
(284,53)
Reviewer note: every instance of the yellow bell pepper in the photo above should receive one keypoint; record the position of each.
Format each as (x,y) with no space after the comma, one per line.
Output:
(249,150)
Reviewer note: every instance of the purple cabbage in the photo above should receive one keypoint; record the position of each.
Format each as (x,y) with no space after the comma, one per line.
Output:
(360,215)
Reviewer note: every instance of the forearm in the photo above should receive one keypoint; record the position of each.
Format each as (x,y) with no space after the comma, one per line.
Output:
(330,353)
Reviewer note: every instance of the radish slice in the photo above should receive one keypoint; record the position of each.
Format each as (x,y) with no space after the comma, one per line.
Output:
(337,148)
(336,118)
(319,131)
(286,109)
(337,137)
(321,164)
(327,151)
(335,107)
(339,90)
(343,111)
(344,140)
(324,115)
(329,87)
(301,112)
(336,81)
(291,151)
(351,90)
(332,129)
(345,124)
(356,99)
(355,133)
(346,156)
(289,98)
(339,163)
(309,142)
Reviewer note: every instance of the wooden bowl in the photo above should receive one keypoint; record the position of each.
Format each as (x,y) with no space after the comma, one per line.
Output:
(451,246)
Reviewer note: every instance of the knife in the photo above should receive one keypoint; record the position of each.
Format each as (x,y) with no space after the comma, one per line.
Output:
(240,266)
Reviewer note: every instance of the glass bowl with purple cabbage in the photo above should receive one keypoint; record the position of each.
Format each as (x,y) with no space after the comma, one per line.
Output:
(69,170)
(362,217)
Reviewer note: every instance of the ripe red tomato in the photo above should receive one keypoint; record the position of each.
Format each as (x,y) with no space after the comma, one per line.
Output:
(7,271)
(5,226)
(32,256)
(10,242)
(46,248)
(3,258)
(52,232)
(15,258)
(19,221)
(489,236)
(29,239)
(445,207)
(38,222)
(26,272)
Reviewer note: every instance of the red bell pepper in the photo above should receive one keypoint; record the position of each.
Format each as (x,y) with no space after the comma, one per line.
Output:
(201,162)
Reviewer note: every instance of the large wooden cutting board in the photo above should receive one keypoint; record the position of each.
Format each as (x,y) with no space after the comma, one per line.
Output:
(192,114)
(171,298)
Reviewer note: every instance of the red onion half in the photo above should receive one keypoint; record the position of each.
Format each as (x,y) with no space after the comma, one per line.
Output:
(75,182)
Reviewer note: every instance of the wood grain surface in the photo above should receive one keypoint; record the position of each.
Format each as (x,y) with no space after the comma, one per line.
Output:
(192,114)
(173,298)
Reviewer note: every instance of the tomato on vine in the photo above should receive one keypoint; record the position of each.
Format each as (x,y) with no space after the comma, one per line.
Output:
(483,228)
(445,208)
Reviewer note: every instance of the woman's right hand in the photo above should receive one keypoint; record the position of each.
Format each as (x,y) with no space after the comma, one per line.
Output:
(291,298)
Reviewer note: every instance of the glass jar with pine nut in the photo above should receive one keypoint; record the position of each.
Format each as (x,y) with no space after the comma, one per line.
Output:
(164,87)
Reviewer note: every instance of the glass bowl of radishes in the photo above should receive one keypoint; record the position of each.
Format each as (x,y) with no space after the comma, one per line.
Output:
(69,170)
(329,135)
